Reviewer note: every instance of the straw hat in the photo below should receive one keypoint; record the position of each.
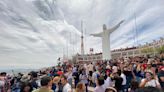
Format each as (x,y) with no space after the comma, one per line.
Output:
(149,71)
(56,79)
(24,78)
(111,88)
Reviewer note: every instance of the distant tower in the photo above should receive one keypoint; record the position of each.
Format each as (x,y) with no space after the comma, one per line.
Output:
(82,38)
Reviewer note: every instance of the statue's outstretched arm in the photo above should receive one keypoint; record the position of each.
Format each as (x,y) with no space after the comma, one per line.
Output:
(97,34)
(117,26)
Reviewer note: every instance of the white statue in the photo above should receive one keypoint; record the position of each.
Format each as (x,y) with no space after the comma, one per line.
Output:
(105,35)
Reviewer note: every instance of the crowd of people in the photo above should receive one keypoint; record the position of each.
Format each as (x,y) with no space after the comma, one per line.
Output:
(130,74)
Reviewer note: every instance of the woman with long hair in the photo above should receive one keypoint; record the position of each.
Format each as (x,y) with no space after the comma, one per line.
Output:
(149,80)
(26,87)
(84,79)
(80,87)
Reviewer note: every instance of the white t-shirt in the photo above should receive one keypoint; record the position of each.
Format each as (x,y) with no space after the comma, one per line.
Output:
(99,89)
(108,67)
(114,68)
(123,76)
(94,77)
(67,87)
(74,69)
(68,75)
(152,83)
(83,78)
(97,67)
(2,83)
(108,83)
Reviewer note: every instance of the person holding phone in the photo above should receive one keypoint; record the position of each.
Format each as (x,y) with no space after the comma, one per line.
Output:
(150,80)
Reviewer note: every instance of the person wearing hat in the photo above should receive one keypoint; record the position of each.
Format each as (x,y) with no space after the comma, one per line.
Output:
(56,86)
(110,89)
(149,80)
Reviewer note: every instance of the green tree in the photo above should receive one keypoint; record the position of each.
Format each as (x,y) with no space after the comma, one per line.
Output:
(147,50)
(160,49)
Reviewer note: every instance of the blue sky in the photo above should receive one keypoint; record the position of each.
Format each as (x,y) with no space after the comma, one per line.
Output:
(34,33)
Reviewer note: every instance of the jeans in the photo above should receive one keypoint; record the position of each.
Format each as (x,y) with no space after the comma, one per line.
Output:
(86,85)
(124,88)
(70,81)
(76,82)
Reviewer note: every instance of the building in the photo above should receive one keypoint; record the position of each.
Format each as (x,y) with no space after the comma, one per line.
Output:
(88,57)
(141,50)
(124,52)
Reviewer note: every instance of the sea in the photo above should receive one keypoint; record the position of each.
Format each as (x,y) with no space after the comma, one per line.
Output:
(16,71)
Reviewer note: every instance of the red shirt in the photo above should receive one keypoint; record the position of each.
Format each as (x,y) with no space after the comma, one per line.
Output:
(60,72)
